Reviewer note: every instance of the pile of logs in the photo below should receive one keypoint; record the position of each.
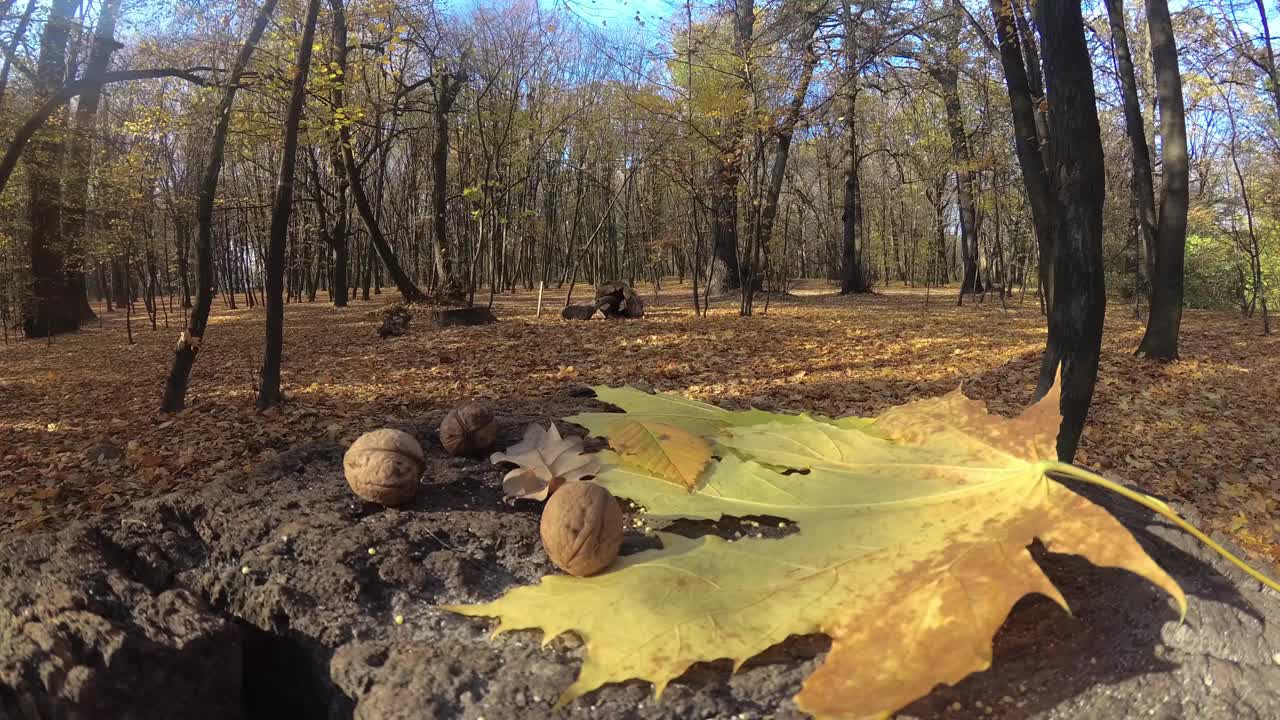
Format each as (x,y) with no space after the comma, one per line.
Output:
(617,300)
(396,318)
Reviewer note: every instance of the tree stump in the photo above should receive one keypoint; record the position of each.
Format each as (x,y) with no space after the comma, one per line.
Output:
(396,318)
(474,315)
(578,312)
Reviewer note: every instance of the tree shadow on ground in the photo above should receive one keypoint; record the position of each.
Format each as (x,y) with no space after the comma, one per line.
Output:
(1044,657)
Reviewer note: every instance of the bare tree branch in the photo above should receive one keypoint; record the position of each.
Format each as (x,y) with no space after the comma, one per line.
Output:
(38,118)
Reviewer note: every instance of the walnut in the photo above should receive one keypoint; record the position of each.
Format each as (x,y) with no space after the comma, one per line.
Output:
(468,429)
(383,466)
(582,528)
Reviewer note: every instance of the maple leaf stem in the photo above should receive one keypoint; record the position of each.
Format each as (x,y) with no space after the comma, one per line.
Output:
(1078,473)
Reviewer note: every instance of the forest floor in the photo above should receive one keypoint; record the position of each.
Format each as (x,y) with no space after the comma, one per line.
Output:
(1200,431)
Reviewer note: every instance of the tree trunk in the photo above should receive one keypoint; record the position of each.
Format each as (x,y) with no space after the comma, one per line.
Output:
(54,304)
(785,131)
(1035,80)
(726,169)
(948,79)
(1269,57)
(1079,305)
(338,292)
(184,357)
(119,283)
(1144,197)
(366,277)
(281,207)
(334,237)
(408,290)
(446,272)
(724,275)
(182,235)
(1029,137)
(1165,320)
(853,278)
(81,151)
(338,236)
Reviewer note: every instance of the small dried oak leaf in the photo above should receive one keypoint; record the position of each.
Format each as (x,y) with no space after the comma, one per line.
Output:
(546,461)
(582,528)
(383,466)
(469,429)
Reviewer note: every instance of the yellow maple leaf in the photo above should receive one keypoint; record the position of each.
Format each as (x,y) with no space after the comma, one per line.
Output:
(664,450)
(911,551)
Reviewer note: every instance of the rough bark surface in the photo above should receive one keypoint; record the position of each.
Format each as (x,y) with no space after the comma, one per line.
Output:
(1142,185)
(257,596)
(54,305)
(1165,321)
(853,278)
(1080,301)
(725,273)
(80,153)
(1030,132)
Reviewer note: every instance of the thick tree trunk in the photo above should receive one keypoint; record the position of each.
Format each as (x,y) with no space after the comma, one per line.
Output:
(446,272)
(1035,80)
(338,240)
(725,271)
(80,153)
(175,391)
(54,304)
(726,169)
(281,207)
(1079,306)
(1165,320)
(853,277)
(119,282)
(338,293)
